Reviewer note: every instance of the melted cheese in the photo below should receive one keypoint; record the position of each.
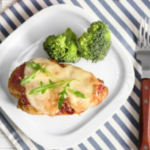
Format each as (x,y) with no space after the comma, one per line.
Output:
(47,103)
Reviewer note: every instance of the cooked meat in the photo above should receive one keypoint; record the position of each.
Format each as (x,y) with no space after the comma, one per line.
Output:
(28,108)
(47,103)
(15,90)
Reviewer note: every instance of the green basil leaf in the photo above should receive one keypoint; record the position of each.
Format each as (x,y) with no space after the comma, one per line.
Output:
(34,65)
(27,79)
(42,84)
(45,87)
(37,66)
(77,93)
(60,101)
(63,93)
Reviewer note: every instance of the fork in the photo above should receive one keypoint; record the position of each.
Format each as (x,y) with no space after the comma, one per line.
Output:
(143,54)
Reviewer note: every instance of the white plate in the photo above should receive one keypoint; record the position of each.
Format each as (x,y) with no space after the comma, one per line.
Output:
(26,43)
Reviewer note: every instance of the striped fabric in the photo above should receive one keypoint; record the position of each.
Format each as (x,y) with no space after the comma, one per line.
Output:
(121,130)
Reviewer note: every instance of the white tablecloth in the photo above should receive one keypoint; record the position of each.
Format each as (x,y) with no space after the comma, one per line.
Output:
(7,3)
(5,143)
(121,130)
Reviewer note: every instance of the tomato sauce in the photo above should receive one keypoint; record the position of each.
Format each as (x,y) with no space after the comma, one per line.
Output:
(16,79)
(62,65)
(66,109)
(100,89)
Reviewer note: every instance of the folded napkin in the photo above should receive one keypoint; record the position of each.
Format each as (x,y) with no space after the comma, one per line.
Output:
(121,130)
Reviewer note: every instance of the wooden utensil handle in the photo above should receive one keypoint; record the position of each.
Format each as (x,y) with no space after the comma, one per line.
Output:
(144,125)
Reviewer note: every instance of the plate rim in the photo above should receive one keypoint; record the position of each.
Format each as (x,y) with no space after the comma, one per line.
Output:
(74,9)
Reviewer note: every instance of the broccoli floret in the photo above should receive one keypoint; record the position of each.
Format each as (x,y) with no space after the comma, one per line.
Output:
(63,48)
(96,42)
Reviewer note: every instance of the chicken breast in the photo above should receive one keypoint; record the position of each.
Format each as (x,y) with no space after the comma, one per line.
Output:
(46,103)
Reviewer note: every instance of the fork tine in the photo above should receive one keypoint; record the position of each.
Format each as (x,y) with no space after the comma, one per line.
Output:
(148,34)
(140,34)
(144,34)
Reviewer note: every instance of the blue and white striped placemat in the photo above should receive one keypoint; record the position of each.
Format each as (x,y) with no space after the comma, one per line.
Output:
(121,130)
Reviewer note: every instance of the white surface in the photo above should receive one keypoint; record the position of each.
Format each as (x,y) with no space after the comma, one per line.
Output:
(6,4)
(116,70)
(5,143)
